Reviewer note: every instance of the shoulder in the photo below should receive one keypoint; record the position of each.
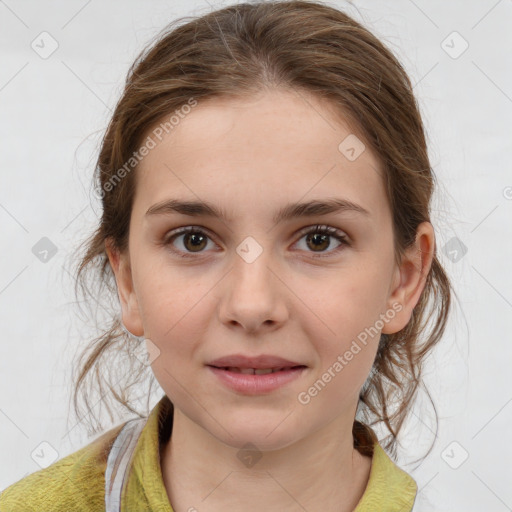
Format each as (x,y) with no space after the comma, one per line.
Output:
(75,482)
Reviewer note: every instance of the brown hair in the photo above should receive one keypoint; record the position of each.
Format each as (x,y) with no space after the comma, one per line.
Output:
(243,50)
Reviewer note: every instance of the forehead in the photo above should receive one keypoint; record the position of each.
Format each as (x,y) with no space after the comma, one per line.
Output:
(276,147)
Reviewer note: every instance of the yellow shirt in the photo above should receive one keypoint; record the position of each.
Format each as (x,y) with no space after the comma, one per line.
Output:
(77,482)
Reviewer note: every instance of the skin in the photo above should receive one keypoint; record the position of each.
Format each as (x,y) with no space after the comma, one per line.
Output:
(251,157)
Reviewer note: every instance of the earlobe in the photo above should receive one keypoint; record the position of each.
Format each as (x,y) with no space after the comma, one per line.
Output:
(121,266)
(411,277)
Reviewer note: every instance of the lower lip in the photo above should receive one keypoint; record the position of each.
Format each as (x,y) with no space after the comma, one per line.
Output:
(256,384)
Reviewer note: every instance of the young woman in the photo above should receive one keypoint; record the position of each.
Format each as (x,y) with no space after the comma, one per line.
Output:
(265,186)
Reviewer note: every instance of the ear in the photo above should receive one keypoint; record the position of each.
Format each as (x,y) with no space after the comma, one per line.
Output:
(120,263)
(410,278)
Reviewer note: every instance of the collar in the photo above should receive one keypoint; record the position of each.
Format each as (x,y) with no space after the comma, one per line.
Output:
(388,486)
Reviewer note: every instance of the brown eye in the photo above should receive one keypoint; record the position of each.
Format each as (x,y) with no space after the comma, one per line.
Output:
(320,242)
(317,240)
(187,241)
(194,241)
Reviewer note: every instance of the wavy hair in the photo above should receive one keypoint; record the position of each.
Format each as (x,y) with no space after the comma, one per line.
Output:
(239,51)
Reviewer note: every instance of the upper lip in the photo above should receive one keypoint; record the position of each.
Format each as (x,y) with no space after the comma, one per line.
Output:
(262,361)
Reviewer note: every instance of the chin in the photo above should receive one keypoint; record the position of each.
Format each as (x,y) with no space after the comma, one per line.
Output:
(264,431)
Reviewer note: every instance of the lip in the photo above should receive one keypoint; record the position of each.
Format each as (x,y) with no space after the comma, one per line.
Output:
(252,384)
(259,362)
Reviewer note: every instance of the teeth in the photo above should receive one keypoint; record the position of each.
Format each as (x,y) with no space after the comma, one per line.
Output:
(253,371)
(262,371)
(249,371)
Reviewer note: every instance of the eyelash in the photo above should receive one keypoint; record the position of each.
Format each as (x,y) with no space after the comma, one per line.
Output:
(318,229)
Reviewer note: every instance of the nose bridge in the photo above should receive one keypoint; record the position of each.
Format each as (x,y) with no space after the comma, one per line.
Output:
(251,264)
(252,295)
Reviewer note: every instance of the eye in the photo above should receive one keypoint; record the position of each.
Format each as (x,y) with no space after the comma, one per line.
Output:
(195,239)
(319,236)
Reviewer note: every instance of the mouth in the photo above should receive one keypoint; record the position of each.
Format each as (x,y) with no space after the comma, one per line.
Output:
(257,371)
(256,381)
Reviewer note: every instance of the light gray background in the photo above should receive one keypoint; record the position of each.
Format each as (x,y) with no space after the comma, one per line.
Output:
(52,112)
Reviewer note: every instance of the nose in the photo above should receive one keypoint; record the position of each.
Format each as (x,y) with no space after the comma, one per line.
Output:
(253,295)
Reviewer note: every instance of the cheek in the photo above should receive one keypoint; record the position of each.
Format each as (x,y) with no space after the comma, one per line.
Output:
(343,369)
(344,303)
(165,292)
(176,309)
(173,320)
(341,322)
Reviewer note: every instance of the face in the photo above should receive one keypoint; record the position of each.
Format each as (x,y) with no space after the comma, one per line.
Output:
(247,283)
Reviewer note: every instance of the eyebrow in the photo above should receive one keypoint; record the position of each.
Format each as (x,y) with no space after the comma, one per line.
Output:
(289,211)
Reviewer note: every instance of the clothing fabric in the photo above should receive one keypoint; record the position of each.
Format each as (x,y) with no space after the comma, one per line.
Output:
(121,470)
(118,463)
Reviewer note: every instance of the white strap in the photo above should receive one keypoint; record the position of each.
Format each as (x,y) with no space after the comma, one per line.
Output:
(118,462)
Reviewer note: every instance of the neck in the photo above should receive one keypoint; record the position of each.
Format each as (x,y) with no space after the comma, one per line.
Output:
(321,472)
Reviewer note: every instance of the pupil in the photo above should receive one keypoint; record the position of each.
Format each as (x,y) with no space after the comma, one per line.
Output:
(316,238)
(196,239)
